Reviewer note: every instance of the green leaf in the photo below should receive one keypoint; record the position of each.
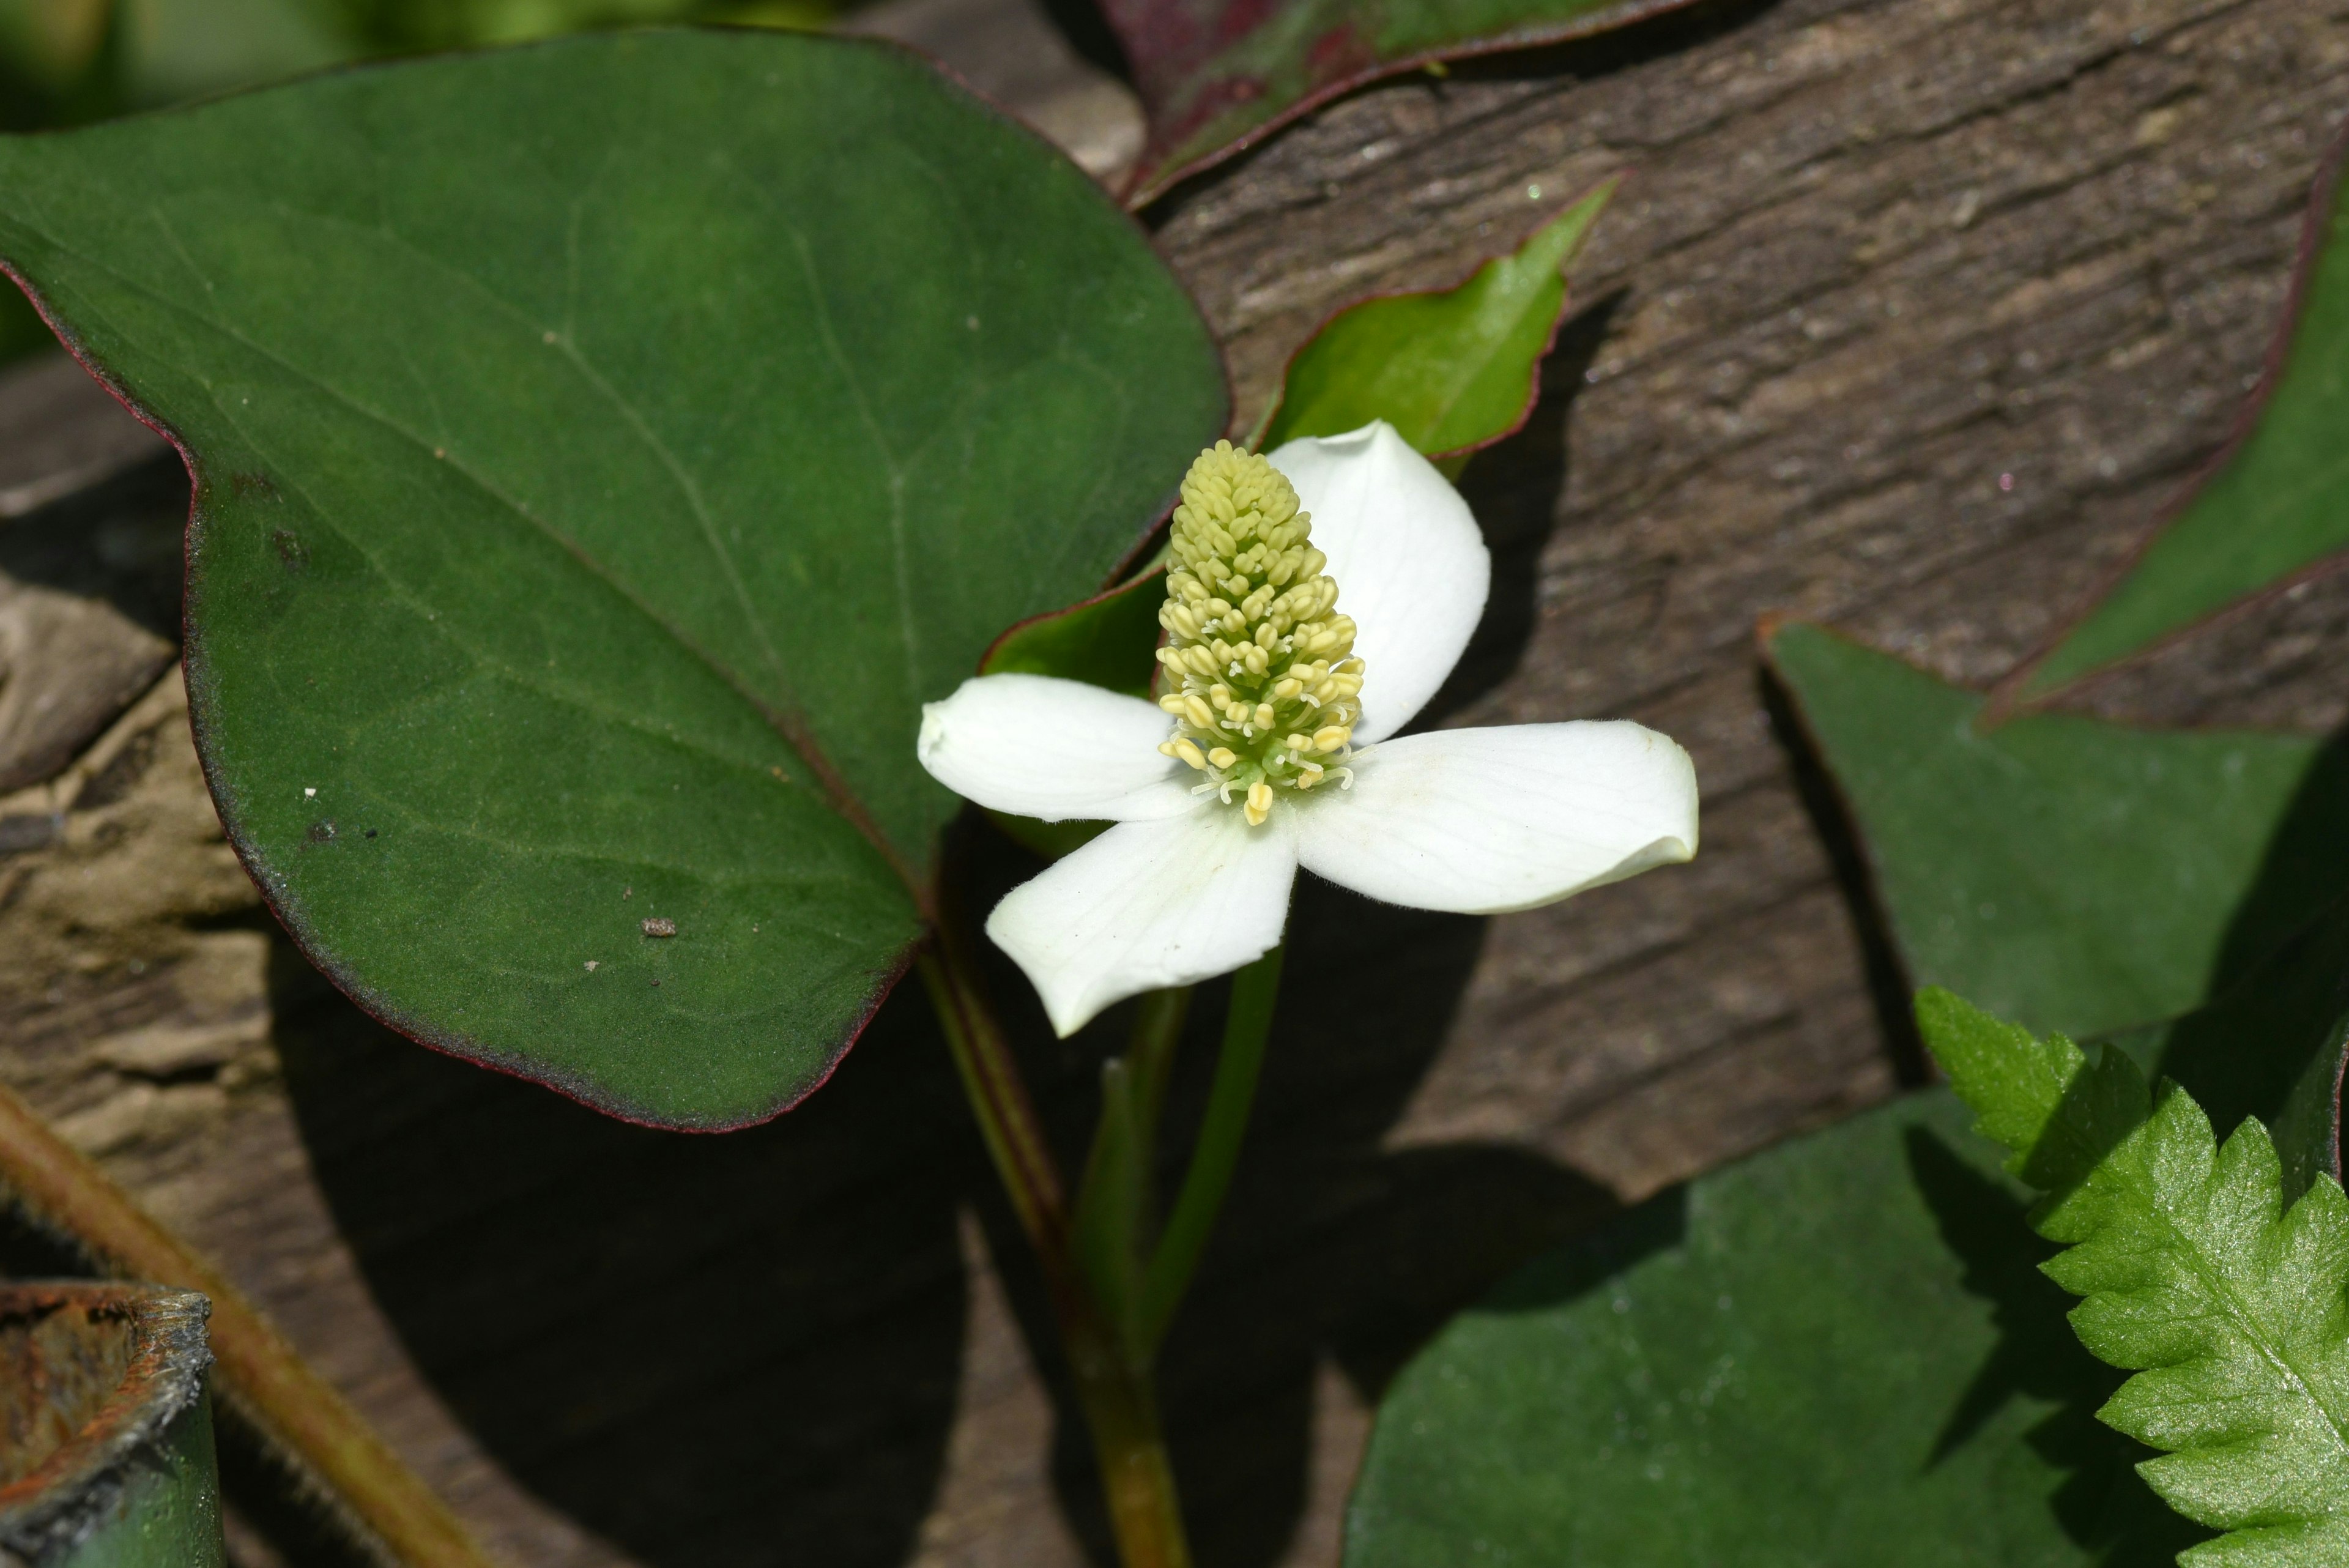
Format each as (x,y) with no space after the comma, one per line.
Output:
(2275,505)
(1839,1354)
(602,451)
(1105,640)
(1217,75)
(2233,1310)
(2072,873)
(2059,1113)
(1452,369)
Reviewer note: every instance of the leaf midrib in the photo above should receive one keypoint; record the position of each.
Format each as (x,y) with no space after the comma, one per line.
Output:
(2249,1323)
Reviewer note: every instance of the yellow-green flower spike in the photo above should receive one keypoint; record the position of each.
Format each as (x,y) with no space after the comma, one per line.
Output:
(1257,668)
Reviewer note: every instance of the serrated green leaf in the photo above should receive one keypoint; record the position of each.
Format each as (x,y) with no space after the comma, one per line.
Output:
(2075,873)
(2277,503)
(602,449)
(2058,1113)
(2233,1309)
(1451,369)
(1838,1354)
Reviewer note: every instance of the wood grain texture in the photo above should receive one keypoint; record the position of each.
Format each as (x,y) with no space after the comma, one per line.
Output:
(1914,313)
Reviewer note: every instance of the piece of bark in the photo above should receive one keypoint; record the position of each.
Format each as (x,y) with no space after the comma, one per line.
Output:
(1910,319)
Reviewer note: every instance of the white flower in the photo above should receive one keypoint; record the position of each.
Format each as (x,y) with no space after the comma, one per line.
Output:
(1279,755)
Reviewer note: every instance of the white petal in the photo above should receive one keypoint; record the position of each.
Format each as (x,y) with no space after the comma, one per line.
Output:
(1480,821)
(1411,567)
(1150,904)
(1058,750)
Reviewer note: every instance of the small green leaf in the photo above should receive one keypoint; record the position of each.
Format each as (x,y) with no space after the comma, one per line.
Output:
(2233,1310)
(2276,504)
(602,451)
(1453,369)
(2072,873)
(1105,640)
(1838,1354)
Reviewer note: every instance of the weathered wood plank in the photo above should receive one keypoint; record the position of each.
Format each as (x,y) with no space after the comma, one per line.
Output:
(1878,254)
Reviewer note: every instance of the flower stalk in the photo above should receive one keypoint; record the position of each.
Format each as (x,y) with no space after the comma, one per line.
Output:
(1272,747)
(1115,1283)
(1247,1027)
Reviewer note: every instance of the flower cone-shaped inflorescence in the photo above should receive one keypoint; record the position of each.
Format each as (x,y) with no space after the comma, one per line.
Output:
(1272,745)
(1258,672)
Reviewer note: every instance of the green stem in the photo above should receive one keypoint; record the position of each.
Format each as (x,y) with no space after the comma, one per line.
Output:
(1248,1026)
(1111,1230)
(1157,1031)
(1137,1481)
(999,1104)
(1120,1409)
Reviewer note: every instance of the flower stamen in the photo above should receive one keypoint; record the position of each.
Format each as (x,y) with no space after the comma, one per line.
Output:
(1257,669)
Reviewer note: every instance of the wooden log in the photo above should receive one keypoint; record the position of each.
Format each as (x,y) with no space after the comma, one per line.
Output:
(1913,313)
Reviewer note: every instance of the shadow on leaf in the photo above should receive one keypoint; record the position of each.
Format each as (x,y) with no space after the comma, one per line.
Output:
(2103,1505)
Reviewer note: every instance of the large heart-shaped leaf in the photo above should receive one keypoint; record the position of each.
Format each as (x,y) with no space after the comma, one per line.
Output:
(1217,75)
(1837,1354)
(602,449)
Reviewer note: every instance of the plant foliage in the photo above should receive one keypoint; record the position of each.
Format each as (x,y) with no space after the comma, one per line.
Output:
(602,449)
(2232,1308)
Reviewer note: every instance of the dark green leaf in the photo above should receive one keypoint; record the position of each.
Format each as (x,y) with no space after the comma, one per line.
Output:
(1837,1355)
(1218,74)
(2075,873)
(1451,369)
(2270,1047)
(2278,503)
(602,451)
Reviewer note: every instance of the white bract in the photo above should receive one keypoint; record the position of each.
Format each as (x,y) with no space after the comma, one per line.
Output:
(1279,755)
